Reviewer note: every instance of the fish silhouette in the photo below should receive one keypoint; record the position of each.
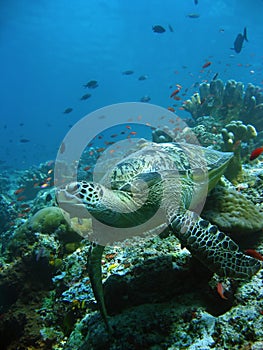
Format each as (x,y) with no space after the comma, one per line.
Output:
(238,43)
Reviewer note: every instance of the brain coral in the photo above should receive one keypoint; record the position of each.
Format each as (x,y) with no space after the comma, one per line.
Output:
(232,212)
(47,220)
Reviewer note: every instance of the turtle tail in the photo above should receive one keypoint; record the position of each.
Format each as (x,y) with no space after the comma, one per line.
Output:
(212,247)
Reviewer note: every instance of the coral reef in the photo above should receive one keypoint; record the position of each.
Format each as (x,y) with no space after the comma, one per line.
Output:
(228,102)
(232,212)
(237,138)
(158,296)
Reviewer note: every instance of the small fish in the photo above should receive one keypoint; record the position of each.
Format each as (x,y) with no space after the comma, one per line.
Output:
(207,64)
(215,76)
(26,210)
(24,140)
(175,92)
(158,29)
(238,43)
(177,98)
(193,15)
(44,185)
(128,72)
(196,2)
(143,77)
(68,110)
(62,148)
(87,168)
(92,84)
(21,198)
(145,98)
(170,28)
(19,190)
(113,266)
(220,290)
(256,153)
(171,109)
(254,254)
(85,97)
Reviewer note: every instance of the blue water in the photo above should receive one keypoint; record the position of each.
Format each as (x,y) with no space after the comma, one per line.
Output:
(50,48)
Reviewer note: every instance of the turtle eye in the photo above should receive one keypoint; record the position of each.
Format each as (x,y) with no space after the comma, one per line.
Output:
(73,187)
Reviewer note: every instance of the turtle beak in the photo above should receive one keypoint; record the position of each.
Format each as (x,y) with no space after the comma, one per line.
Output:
(68,200)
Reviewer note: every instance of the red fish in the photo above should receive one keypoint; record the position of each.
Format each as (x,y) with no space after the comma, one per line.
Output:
(21,198)
(254,254)
(257,152)
(175,92)
(220,290)
(207,64)
(20,190)
(177,98)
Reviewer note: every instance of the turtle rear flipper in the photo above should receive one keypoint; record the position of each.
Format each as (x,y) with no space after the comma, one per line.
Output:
(95,275)
(212,247)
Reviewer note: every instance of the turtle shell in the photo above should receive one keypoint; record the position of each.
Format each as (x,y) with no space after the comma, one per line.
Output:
(187,160)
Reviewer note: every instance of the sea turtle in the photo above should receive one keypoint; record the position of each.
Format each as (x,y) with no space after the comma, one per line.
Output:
(170,179)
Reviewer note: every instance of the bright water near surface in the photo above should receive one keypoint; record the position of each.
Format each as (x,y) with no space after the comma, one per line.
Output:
(49,49)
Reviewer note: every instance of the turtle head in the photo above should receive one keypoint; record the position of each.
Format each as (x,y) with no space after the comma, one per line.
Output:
(84,199)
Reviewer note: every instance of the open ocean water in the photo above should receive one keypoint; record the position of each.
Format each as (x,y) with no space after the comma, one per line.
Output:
(49,49)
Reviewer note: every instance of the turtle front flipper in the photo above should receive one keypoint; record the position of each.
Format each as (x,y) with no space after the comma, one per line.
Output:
(94,270)
(212,247)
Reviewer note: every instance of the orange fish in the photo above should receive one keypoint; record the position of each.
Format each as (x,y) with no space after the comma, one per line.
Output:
(171,109)
(21,198)
(220,290)
(20,190)
(177,98)
(207,64)
(254,254)
(87,168)
(257,152)
(175,92)
(133,133)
